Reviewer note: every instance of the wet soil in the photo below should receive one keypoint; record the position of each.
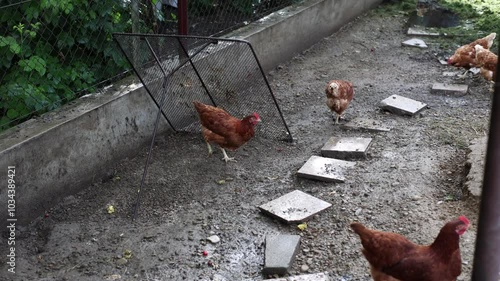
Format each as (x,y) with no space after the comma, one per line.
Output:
(411,181)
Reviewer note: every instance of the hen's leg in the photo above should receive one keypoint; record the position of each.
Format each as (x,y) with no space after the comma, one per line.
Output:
(210,151)
(462,76)
(337,119)
(226,158)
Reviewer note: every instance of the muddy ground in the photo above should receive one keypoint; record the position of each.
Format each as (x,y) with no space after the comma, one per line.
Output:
(410,183)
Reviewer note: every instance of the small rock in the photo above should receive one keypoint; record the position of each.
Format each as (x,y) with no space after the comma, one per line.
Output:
(304,268)
(415,42)
(214,239)
(121,261)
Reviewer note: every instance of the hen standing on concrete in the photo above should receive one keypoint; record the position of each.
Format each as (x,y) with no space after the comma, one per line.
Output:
(339,94)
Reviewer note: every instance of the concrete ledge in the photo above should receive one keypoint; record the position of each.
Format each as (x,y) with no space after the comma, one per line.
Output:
(476,160)
(64,151)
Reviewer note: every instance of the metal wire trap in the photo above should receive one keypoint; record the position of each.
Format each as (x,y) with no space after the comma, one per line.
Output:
(222,72)
(178,69)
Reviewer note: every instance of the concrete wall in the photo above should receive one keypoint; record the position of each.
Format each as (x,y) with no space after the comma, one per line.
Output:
(60,153)
(64,151)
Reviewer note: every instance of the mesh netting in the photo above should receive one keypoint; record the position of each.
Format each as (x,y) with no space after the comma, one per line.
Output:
(221,72)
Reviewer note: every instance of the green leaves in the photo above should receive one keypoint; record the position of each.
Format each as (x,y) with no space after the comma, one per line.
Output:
(34,63)
(65,40)
(52,51)
(11,43)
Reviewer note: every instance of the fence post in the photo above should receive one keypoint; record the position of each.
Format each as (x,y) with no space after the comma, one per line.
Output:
(487,255)
(183,17)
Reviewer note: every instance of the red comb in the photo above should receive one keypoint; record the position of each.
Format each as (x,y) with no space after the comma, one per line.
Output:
(464,220)
(256,115)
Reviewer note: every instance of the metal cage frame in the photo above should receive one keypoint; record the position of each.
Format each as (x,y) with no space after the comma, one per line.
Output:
(185,55)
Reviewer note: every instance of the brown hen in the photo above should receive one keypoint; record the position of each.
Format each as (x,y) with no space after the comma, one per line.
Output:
(221,128)
(465,56)
(392,257)
(339,94)
(487,61)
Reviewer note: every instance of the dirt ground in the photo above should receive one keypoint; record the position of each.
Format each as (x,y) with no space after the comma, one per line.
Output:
(410,183)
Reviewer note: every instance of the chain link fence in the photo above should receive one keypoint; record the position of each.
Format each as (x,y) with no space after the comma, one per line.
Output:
(52,52)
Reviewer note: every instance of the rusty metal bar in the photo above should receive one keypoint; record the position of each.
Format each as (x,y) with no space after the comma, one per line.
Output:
(182,15)
(487,255)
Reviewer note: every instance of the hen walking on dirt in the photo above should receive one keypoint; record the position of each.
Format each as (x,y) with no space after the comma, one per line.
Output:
(392,257)
(339,94)
(221,128)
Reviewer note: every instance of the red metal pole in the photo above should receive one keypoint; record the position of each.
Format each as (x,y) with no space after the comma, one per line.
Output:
(182,10)
(487,255)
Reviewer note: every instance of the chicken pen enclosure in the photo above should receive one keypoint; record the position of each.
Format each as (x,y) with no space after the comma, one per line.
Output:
(177,70)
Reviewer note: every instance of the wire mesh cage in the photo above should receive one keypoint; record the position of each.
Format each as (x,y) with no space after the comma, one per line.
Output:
(221,72)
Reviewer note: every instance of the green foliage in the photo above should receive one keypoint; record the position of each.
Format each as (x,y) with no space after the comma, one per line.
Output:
(484,15)
(201,7)
(50,50)
(206,7)
(246,7)
(401,6)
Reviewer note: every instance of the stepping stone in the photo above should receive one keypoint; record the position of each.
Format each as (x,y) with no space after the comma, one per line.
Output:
(420,32)
(345,148)
(474,70)
(280,253)
(367,124)
(415,42)
(325,169)
(450,73)
(450,89)
(324,276)
(401,105)
(294,207)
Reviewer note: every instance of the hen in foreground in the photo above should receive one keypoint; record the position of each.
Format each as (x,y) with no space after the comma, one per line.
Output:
(392,257)
(487,61)
(339,94)
(465,56)
(221,128)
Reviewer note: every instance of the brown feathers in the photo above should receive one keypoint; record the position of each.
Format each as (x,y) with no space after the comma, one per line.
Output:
(465,56)
(339,94)
(487,61)
(221,128)
(393,257)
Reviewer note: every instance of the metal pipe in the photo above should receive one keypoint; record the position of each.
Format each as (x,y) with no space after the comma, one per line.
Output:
(487,254)
(182,15)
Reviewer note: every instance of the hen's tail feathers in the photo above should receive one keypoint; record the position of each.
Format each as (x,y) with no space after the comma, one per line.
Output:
(358,228)
(197,104)
(490,38)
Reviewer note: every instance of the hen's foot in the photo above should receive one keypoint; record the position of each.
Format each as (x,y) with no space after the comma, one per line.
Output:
(227,158)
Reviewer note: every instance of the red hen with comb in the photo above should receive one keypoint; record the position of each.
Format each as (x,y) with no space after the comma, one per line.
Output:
(392,257)
(221,128)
